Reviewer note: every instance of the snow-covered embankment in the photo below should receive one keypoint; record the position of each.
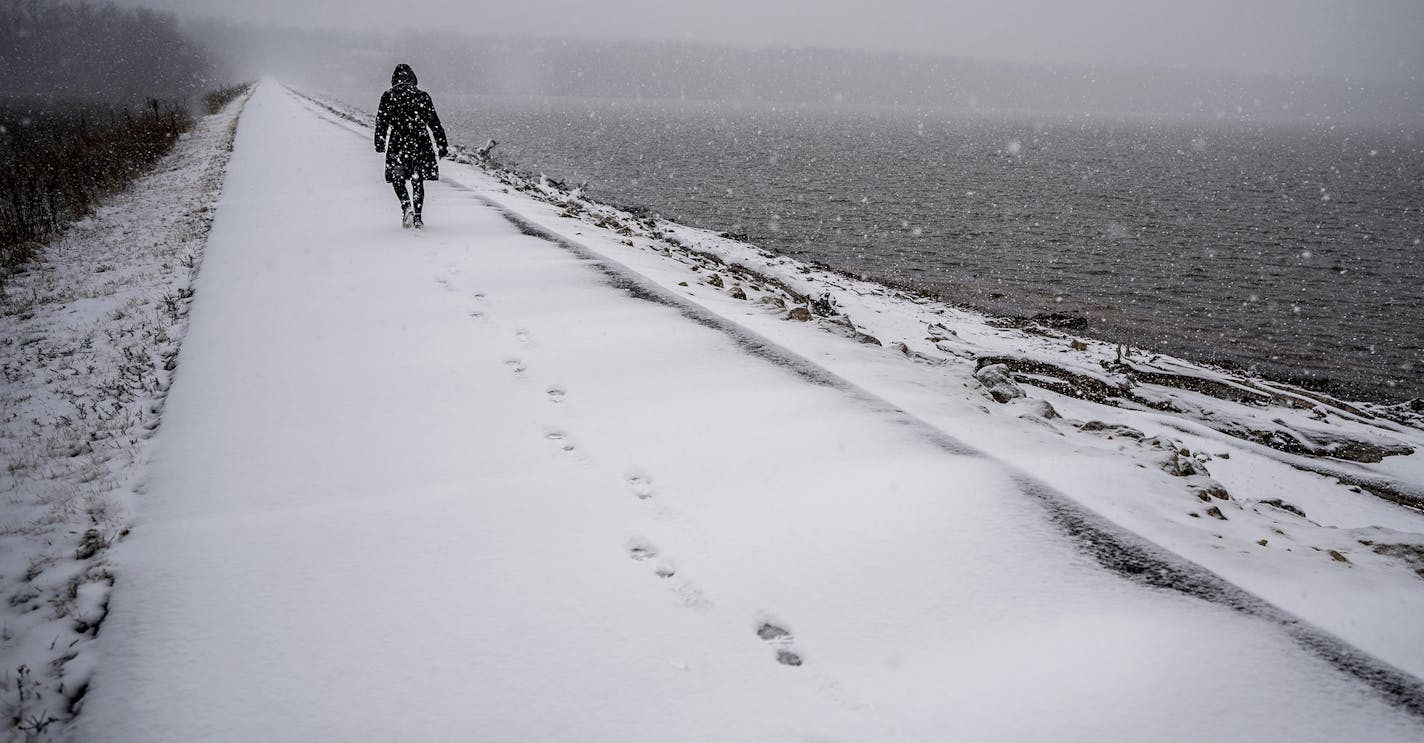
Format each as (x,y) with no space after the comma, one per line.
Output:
(91,333)
(1312,503)
(539,473)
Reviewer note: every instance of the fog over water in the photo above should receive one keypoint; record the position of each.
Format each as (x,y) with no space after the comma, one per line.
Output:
(1294,60)
(1376,39)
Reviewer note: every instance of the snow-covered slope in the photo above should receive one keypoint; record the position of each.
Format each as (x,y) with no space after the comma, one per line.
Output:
(1313,503)
(539,472)
(1206,464)
(90,333)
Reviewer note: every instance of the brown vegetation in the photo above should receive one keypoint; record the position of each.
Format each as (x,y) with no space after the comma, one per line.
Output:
(214,100)
(56,162)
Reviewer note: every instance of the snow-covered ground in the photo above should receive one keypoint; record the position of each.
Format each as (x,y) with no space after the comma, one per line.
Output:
(90,333)
(540,472)
(1313,503)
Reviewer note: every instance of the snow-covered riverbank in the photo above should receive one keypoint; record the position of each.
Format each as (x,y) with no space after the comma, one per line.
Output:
(546,471)
(1314,503)
(1308,501)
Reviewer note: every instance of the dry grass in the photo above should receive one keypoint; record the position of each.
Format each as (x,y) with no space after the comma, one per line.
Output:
(214,100)
(58,160)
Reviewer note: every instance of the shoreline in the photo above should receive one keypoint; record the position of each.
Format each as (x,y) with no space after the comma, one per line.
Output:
(1180,296)
(1134,330)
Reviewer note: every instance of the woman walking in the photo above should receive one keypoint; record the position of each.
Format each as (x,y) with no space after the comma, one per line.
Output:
(408,116)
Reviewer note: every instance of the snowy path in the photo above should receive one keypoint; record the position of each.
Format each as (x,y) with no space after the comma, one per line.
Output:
(455,485)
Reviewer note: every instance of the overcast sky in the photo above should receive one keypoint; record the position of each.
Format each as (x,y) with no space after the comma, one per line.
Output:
(1340,38)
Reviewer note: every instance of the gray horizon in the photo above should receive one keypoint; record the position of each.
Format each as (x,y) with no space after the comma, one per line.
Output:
(1341,39)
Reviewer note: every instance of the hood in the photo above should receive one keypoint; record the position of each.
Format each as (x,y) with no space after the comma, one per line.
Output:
(403,75)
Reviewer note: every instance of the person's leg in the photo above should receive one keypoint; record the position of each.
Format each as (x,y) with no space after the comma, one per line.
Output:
(417,199)
(407,215)
(399,186)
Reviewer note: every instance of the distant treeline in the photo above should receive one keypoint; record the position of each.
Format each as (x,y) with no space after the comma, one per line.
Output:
(91,96)
(70,51)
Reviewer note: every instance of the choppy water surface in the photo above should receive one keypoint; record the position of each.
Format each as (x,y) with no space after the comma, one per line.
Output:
(1292,251)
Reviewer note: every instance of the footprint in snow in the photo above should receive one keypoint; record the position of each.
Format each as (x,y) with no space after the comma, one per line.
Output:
(641,549)
(560,437)
(779,638)
(556,394)
(515,365)
(522,335)
(688,594)
(691,596)
(641,485)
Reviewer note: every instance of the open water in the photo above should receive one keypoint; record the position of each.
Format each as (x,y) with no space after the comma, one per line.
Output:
(1289,250)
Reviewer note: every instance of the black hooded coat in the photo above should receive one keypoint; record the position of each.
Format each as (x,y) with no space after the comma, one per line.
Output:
(408,115)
